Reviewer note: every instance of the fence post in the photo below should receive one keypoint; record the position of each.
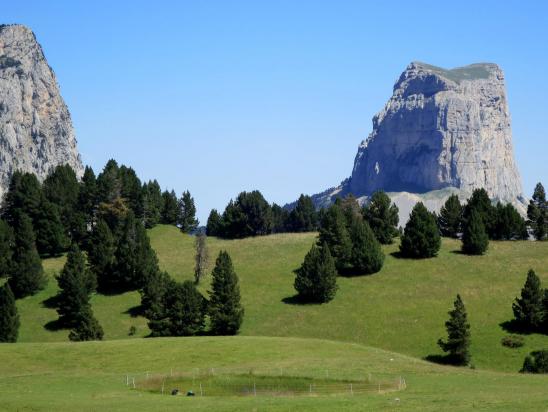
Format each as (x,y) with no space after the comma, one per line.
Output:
(133,383)
(127,380)
(163,383)
(351,390)
(201,391)
(254,389)
(379,388)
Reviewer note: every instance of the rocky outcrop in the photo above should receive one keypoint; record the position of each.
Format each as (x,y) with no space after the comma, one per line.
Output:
(36,131)
(440,129)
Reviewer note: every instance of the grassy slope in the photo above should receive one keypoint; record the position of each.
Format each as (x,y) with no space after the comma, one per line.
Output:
(91,376)
(402,308)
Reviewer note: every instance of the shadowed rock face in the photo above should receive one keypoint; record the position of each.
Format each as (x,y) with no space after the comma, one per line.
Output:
(441,128)
(36,131)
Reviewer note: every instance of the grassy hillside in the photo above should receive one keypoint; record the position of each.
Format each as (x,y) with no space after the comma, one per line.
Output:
(401,309)
(92,376)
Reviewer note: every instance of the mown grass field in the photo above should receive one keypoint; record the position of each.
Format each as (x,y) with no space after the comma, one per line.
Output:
(402,308)
(92,376)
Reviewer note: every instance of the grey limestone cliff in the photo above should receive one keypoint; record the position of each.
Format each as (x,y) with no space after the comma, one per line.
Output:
(36,131)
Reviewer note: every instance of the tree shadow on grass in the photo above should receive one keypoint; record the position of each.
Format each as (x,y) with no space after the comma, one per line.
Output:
(135,311)
(512,326)
(54,325)
(51,302)
(439,359)
(398,255)
(297,300)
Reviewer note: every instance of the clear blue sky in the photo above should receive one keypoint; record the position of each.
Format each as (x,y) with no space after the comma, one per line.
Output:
(220,97)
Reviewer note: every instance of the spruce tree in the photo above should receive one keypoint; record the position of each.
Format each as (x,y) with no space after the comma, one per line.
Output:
(187,213)
(382,216)
(225,310)
(51,233)
(26,273)
(316,279)
(9,318)
(537,213)
(170,208)
(303,217)
(109,184)
(154,304)
(86,327)
(421,238)
(536,362)
(101,254)
(153,203)
(186,310)
(528,309)
(6,246)
(474,238)
(76,283)
(280,219)
(87,195)
(24,195)
(509,224)
(450,217)
(458,335)
(214,224)
(481,203)
(131,190)
(61,189)
(334,233)
(367,256)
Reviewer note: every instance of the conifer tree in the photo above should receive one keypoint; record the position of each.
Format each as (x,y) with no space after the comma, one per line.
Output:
(9,318)
(537,213)
(280,219)
(86,327)
(458,335)
(51,234)
(87,195)
(508,224)
(201,258)
(214,224)
(382,216)
(61,189)
(303,218)
(76,283)
(109,184)
(421,238)
(536,362)
(334,233)
(26,273)
(131,190)
(367,256)
(316,279)
(24,195)
(474,238)
(186,309)
(450,217)
(528,309)
(6,246)
(170,208)
(153,302)
(153,203)
(481,203)
(101,254)
(225,310)
(187,213)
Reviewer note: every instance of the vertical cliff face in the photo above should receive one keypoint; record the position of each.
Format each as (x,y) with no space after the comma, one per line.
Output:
(36,131)
(441,128)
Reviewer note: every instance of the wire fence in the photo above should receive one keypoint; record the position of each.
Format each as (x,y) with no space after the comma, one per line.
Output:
(261,382)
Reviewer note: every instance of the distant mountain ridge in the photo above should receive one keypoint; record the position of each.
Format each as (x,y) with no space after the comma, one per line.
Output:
(36,132)
(442,130)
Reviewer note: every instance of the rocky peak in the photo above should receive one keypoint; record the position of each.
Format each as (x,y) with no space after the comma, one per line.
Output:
(36,132)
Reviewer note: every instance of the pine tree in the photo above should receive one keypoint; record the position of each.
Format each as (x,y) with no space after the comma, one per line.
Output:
(249,215)
(24,195)
(26,273)
(537,213)
(6,246)
(450,217)
(280,219)
(153,302)
(225,310)
(153,203)
(170,208)
(131,190)
(536,362)
(9,318)
(76,283)
(109,184)
(458,335)
(187,213)
(303,218)
(201,258)
(421,238)
(528,309)
(51,234)
(186,309)
(86,327)
(382,216)
(214,224)
(87,195)
(61,189)
(316,279)
(334,233)
(367,256)
(101,254)
(481,203)
(509,224)
(474,238)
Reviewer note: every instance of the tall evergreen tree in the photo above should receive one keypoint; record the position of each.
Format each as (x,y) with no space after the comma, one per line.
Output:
(303,217)
(421,238)
(101,254)
(537,213)
(154,302)
(61,188)
(280,219)
(6,248)
(457,344)
(87,195)
(153,203)
(187,213)
(249,215)
(481,203)
(450,217)
(201,258)
(366,256)
(316,279)
(186,310)
(76,283)
(225,310)
(9,318)
(508,224)
(170,208)
(536,362)
(51,234)
(382,216)
(109,184)
(26,273)
(24,195)
(334,233)
(474,238)
(214,224)
(131,190)
(528,309)
(86,327)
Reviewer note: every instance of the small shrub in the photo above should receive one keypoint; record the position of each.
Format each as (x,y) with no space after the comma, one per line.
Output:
(512,341)
(132,330)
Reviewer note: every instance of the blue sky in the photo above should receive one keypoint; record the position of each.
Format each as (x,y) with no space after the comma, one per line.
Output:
(220,97)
